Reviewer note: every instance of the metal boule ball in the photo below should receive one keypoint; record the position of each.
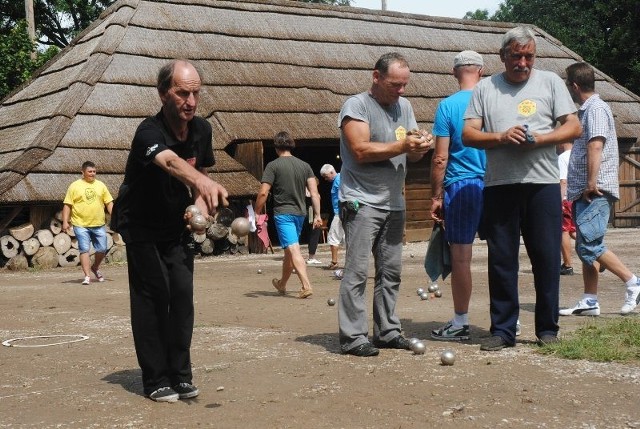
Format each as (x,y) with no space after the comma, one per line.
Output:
(240,226)
(259,271)
(413,340)
(411,255)
(419,291)
(447,357)
(424,296)
(331,302)
(432,288)
(438,293)
(193,210)
(418,348)
(198,224)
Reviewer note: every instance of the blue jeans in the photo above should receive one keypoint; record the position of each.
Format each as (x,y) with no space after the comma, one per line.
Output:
(533,210)
(96,235)
(591,221)
(378,231)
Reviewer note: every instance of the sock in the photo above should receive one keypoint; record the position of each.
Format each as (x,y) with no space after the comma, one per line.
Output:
(587,296)
(460,320)
(633,282)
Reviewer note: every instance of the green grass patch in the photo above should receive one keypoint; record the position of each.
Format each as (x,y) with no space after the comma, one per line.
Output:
(600,340)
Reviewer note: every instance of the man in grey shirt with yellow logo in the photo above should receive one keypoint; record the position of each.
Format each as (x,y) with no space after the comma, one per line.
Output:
(378,135)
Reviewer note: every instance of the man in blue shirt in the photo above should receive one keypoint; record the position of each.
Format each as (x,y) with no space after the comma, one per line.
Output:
(457,174)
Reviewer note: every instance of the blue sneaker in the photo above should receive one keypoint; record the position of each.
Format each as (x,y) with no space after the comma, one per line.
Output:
(584,307)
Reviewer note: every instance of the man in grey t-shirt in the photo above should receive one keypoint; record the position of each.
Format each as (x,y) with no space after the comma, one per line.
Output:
(376,140)
(514,116)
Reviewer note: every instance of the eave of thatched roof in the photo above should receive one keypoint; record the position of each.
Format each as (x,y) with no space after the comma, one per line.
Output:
(265,66)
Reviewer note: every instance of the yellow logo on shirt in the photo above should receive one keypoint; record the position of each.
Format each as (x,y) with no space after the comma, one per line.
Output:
(527,107)
(401,133)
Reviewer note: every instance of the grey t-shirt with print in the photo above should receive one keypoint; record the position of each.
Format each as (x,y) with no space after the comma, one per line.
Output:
(376,184)
(538,103)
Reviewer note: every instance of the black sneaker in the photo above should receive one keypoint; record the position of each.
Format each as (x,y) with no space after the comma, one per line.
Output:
(186,390)
(547,339)
(494,343)
(363,350)
(164,394)
(566,270)
(449,333)
(398,342)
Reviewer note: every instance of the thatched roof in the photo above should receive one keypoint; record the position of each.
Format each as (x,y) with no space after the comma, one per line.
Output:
(265,65)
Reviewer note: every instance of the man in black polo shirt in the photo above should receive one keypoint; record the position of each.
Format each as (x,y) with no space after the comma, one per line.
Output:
(165,173)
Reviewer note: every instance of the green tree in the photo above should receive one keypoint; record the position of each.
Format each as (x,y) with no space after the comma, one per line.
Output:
(57,22)
(17,65)
(604,32)
(479,14)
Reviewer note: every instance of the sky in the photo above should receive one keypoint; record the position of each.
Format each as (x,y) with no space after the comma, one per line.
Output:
(447,8)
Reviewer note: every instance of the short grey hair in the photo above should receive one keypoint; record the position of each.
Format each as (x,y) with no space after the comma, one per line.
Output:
(521,35)
(326,169)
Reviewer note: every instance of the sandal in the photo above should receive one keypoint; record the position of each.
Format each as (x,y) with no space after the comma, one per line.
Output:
(305,293)
(333,265)
(276,284)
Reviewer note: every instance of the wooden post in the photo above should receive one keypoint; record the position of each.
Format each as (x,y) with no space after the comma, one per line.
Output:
(31,26)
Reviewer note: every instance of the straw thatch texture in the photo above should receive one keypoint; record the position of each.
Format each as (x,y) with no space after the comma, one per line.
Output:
(265,66)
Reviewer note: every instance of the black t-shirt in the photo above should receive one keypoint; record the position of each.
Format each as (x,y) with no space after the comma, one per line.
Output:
(157,200)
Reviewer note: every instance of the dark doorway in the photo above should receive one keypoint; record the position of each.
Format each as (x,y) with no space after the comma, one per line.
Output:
(316,153)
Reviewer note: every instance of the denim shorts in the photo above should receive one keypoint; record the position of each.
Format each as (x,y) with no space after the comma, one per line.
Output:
(96,235)
(591,221)
(289,227)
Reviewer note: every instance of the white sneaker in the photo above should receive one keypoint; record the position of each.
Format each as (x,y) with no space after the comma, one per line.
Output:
(632,300)
(584,307)
(518,328)
(86,281)
(313,262)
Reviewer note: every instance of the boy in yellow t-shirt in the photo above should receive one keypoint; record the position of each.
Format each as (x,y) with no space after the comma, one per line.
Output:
(83,208)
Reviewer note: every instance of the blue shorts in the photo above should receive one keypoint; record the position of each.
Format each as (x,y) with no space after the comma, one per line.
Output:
(289,227)
(96,235)
(591,221)
(462,210)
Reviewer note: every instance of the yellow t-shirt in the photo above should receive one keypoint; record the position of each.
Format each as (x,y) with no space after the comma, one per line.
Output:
(87,201)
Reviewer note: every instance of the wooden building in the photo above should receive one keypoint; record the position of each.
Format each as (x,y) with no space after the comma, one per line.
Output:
(266,66)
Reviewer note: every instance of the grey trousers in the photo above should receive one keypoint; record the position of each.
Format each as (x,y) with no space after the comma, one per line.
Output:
(379,232)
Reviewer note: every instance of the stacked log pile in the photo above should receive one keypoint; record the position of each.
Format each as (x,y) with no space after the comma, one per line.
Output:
(25,246)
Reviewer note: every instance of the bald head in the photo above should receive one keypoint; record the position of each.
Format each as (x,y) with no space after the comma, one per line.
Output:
(167,72)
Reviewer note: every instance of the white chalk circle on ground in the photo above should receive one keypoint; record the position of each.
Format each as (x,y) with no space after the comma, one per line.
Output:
(70,339)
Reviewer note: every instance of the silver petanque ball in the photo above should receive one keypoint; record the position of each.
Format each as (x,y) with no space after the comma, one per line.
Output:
(419,291)
(418,348)
(433,287)
(193,210)
(438,293)
(447,357)
(259,271)
(424,296)
(331,302)
(411,255)
(413,340)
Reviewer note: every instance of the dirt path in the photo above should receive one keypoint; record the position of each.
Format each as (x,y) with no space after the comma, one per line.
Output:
(261,360)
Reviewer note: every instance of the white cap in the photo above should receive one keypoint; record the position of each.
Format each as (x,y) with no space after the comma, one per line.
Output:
(468,58)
